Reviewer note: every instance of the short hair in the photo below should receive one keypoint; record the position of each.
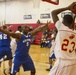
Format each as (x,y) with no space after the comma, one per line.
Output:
(19,27)
(4,27)
(68,19)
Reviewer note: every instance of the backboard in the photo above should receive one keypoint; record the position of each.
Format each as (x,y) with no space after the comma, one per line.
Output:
(55,2)
(36,3)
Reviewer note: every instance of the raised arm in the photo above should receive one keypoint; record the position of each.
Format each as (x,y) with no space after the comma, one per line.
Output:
(74,21)
(57,11)
(14,35)
(40,28)
(74,18)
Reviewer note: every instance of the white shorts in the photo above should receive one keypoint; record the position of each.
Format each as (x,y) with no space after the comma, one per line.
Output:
(64,67)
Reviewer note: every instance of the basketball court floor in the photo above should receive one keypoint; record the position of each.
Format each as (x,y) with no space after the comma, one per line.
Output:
(40,56)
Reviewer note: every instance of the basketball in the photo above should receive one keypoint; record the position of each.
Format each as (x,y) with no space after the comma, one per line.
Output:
(74,9)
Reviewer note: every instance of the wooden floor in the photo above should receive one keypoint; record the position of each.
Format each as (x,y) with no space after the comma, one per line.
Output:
(40,57)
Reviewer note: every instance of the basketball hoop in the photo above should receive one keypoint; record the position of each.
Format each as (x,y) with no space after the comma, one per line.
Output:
(36,3)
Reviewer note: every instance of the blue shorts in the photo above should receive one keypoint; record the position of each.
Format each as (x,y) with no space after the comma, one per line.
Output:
(52,56)
(27,64)
(4,51)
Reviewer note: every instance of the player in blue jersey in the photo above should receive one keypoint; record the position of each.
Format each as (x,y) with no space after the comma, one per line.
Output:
(22,57)
(5,49)
(52,55)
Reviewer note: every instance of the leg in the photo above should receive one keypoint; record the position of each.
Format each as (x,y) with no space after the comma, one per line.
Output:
(1,61)
(33,72)
(29,65)
(2,54)
(50,62)
(51,58)
(41,44)
(15,66)
(0,64)
(10,66)
(9,57)
(10,63)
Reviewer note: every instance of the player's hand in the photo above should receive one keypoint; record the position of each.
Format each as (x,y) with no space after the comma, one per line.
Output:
(48,23)
(71,7)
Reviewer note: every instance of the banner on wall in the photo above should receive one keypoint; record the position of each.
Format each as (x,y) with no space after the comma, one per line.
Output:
(27,17)
(44,16)
(65,13)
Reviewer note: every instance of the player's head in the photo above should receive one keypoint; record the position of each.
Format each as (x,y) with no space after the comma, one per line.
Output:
(19,28)
(4,27)
(68,20)
(25,29)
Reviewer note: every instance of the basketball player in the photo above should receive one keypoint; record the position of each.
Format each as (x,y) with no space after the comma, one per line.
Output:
(19,29)
(52,55)
(22,57)
(5,49)
(13,41)
(65,44)
(13,44)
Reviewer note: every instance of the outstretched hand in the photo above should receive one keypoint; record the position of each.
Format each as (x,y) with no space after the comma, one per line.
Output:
(48,23)
(72,7)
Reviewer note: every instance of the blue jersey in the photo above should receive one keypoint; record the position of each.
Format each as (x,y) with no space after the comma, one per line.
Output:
(4,40)
(23,46)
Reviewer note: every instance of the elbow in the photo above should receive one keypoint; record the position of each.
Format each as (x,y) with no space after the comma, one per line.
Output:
(53,13)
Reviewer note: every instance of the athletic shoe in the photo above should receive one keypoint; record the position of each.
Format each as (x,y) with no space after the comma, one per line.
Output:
(48,69)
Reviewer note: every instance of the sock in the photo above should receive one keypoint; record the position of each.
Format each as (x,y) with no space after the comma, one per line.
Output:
(1,60)
(50,66)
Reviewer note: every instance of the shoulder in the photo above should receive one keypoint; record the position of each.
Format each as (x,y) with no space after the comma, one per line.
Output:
(17,32)
(59,25)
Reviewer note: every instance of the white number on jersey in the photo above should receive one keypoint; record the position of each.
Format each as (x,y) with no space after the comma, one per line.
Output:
(27,43)
(4,36)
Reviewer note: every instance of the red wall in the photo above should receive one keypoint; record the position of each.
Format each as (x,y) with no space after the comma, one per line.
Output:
(34,25)
(38,36)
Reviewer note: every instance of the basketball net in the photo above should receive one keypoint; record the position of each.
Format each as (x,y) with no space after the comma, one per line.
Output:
(36,3)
